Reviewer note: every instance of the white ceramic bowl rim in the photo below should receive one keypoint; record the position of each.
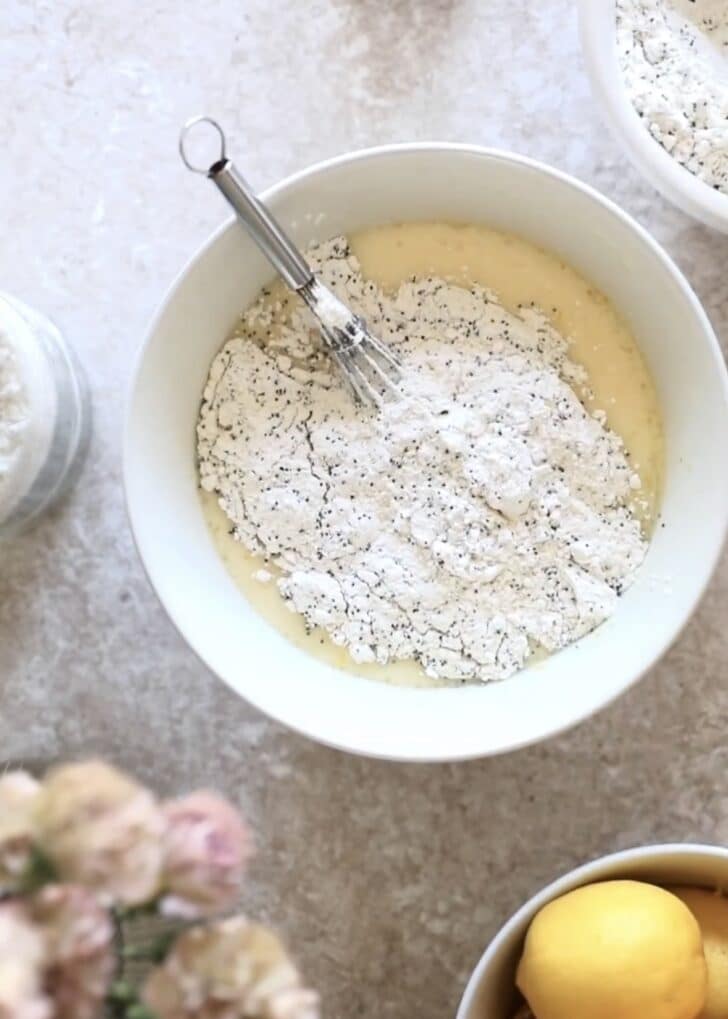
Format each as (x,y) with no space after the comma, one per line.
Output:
(672,179)
(602,869)
(407,742)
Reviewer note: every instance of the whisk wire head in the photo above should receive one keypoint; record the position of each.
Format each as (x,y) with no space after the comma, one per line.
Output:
(370,368)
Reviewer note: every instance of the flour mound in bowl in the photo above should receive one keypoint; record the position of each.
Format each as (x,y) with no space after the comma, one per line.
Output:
(673,59)
(485,515)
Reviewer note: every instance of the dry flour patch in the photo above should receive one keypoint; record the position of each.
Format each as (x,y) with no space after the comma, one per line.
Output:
(484,515)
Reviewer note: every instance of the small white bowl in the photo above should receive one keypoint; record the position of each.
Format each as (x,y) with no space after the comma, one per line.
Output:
(491,991)
(457,184)
(597,20)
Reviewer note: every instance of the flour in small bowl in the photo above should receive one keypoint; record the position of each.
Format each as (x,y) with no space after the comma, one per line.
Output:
(14,417)
(674,60)
(482,517)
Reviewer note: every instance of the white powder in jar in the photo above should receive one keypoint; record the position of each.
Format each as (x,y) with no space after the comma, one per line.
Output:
(674,60)
(27,408)
(14,417)
(484,515)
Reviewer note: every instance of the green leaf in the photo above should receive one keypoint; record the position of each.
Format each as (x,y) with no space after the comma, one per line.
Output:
(139,1011)
(123,1002)
(39,871)
(121,990)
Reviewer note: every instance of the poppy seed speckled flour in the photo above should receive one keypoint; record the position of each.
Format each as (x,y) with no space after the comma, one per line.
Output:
(484,515)
(674,60)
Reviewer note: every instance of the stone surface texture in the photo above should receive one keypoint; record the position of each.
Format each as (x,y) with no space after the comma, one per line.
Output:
(388,880)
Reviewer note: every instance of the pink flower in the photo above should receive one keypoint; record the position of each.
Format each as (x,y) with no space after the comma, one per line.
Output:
(21,965)
(101,830)
(80,960)
(206,848)
(230,969)
(18,793)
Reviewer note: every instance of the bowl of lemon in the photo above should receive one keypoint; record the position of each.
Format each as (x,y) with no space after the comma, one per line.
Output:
(640,934)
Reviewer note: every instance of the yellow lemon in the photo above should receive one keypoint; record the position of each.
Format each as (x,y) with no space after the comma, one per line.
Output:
(710,909)
(614,950)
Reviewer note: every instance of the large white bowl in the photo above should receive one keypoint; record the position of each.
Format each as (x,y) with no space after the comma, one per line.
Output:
(491,994)
(429,182)
(597,20)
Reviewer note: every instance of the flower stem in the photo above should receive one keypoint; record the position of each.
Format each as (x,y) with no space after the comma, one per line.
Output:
(152,951)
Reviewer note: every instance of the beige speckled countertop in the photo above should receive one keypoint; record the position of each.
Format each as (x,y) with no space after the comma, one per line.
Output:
(388,879)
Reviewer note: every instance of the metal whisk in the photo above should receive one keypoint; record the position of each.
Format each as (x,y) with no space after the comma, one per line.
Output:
(370,368)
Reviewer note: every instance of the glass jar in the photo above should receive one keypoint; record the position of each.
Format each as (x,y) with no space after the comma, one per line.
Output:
(44,416)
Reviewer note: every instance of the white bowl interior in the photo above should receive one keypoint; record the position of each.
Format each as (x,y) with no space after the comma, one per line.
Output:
(597,20)
(429,183)
(491,994)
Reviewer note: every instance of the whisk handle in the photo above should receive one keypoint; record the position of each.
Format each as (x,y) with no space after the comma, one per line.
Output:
(267,233)
(264,229)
